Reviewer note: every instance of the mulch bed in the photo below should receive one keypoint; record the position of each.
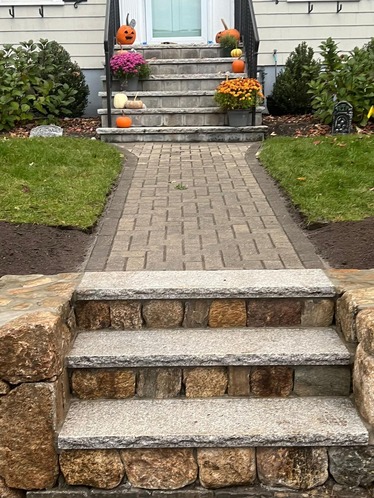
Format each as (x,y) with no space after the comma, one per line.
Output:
(26,248)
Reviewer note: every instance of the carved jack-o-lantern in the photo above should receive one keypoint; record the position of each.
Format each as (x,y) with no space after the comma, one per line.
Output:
(126,34)
(232,32)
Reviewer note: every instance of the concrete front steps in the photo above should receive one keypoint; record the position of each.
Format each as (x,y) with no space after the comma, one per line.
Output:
(184,383)
(179,100)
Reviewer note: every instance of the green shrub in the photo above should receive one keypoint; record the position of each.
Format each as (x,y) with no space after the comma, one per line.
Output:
(347,77)
(55,61)
(290,91)
(35,86)
(228,42)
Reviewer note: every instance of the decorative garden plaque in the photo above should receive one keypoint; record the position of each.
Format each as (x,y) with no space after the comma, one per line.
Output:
(342,118)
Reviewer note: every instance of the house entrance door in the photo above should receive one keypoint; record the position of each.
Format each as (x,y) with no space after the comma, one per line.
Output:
(176,21)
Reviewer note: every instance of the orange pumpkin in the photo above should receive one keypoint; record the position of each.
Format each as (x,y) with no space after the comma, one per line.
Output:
(238,66)
(232,32)
(126,34)
(123,122)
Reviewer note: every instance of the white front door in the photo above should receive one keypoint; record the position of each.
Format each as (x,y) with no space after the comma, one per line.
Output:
(178,21)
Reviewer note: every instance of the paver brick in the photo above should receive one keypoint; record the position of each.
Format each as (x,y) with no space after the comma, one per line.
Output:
(222,201)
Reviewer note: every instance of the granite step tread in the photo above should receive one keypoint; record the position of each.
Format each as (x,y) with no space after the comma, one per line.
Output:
(208,347)
(104,424)
(204,284)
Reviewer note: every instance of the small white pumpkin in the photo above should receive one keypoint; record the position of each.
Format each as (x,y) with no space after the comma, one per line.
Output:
(120,100)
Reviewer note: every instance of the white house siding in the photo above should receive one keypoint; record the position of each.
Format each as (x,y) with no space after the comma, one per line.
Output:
(285,25)
(80,30)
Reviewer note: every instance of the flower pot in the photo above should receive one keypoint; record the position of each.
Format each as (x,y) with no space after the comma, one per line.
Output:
(239,117)
(225,51)
(130,84)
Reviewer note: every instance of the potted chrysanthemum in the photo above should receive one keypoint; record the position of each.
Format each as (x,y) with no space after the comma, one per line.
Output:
(128,68)
(237,96)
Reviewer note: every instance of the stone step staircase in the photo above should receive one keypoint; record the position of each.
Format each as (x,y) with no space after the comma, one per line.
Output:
(179,99)
(183,383)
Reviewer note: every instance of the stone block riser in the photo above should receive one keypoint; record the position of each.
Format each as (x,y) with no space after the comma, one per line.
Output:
(205,471)
(214,313)
(189,382)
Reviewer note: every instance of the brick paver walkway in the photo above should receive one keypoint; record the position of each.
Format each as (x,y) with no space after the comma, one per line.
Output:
(203,206)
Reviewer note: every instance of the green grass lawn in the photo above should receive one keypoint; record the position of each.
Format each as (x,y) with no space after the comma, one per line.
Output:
(56,181)
(327,178)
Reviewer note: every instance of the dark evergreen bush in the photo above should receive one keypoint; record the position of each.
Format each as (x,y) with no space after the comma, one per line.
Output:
(290,89)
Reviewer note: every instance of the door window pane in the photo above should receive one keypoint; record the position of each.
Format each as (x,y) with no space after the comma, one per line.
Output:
(176,18)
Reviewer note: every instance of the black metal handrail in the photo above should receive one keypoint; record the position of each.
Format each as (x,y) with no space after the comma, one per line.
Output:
(112,23)
(245,22)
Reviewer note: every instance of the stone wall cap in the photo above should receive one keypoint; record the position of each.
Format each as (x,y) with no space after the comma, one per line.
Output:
(204,284)
(214,422)
(24,295)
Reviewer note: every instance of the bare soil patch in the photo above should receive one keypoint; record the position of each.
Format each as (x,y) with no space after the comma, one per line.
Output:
(347,244)
(27,248)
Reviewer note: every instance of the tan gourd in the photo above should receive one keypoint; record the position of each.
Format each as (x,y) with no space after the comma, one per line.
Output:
(134,104)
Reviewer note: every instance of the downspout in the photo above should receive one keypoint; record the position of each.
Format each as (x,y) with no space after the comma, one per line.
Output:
(275,57)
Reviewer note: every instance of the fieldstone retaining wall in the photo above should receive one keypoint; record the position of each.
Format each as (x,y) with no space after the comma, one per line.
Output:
(355,320)
(37,328)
